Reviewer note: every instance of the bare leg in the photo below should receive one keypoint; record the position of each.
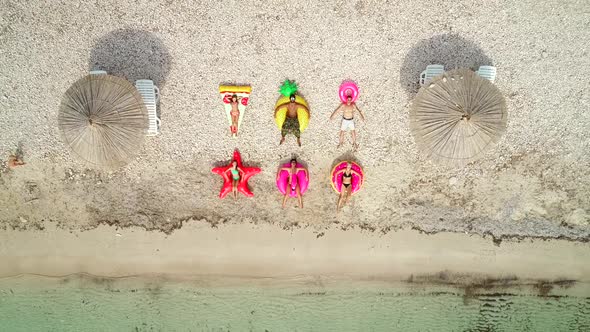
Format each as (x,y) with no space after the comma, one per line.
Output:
(340,199)
(341,138)
(282,140)
(235,125)
(348,194)
(235,189)
(299,196)
(287,191)
(298,141)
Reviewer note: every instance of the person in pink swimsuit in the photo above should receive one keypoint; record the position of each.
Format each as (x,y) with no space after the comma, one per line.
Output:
(235,114)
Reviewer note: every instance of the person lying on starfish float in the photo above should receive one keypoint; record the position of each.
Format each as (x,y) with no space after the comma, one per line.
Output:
(235,177)
(236,173)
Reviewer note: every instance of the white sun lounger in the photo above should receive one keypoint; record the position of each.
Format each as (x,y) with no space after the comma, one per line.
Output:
(151,95)
(431,72)
(98,72)
(487,72)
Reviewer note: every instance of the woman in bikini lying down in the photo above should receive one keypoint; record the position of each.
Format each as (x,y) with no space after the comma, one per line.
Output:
(346,189)
(236,175)
(235,114)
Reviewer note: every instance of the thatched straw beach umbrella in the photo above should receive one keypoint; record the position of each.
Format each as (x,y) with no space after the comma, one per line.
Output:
(103,119)
(457,116)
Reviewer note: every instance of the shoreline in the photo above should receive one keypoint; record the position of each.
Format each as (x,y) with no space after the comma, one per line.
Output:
(270,251)
(464,285)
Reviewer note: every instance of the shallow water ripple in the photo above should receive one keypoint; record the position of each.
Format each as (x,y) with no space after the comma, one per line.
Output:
(111,306)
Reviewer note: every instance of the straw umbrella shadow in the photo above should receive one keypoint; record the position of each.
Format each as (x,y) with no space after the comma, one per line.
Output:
(450,50)
(133,54)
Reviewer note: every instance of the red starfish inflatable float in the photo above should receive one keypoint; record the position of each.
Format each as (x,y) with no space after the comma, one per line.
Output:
(227,180)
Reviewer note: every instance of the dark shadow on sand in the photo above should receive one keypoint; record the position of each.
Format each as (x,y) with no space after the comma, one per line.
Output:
(132,54)
(450,50)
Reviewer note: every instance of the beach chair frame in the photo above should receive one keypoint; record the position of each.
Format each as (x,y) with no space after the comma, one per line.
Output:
(431,72)
(151,95)
(487,72)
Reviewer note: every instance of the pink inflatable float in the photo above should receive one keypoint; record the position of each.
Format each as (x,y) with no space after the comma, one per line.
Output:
(348,88)
(357,180)
(300,177)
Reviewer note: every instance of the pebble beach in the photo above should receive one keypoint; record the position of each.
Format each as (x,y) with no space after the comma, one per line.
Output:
(533,183)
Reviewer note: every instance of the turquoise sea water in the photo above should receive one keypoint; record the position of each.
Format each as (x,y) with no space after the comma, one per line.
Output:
(82,303)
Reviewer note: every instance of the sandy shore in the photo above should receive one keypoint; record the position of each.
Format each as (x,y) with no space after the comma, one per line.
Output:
(273,252)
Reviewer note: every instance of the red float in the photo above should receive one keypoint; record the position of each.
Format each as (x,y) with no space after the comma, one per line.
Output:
(227,179)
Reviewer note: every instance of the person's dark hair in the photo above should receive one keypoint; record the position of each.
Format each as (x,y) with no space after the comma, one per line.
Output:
(293,161)
(234,96)
(292,97)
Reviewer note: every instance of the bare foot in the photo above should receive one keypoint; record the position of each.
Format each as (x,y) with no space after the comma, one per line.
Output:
(339,145)
(298,141)
(355,147)
(282,140)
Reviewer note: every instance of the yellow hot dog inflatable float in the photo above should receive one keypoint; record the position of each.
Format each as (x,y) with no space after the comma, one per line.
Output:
(288,89)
